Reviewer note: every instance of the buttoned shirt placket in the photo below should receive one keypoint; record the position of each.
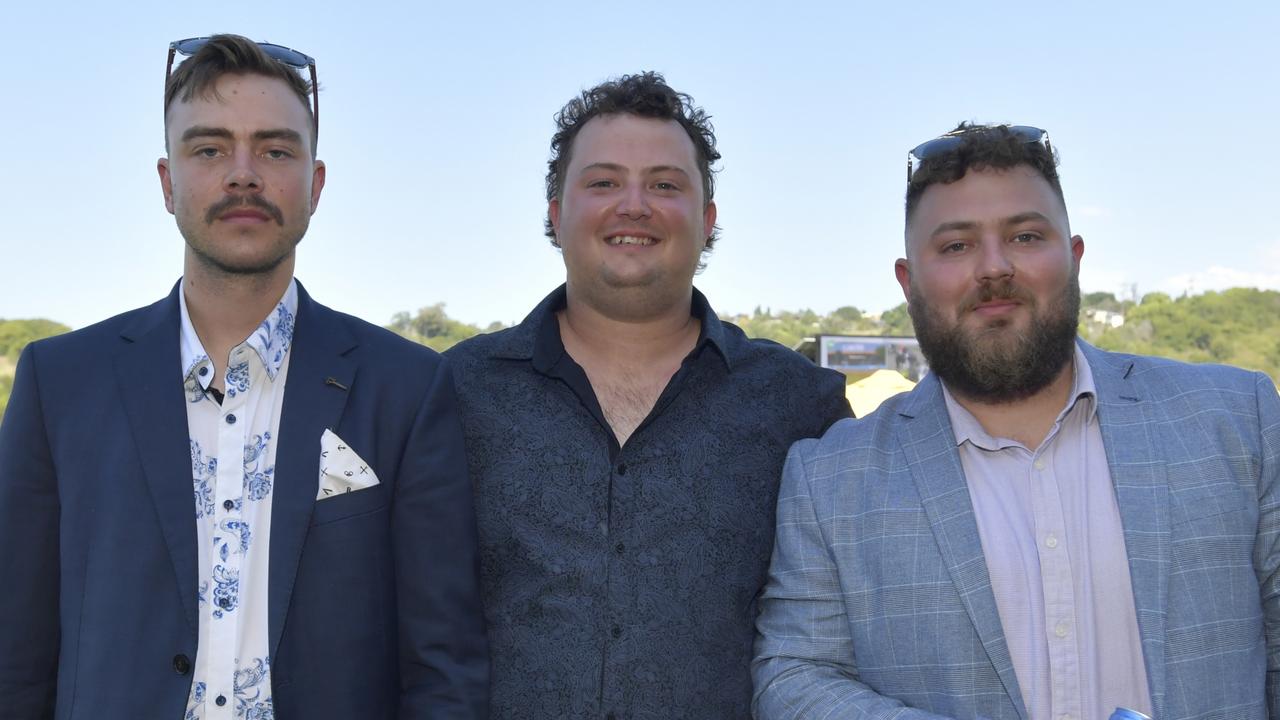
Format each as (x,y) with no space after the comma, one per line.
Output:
(233,510)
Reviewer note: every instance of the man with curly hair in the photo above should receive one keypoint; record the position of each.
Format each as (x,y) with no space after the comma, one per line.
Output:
(624,442)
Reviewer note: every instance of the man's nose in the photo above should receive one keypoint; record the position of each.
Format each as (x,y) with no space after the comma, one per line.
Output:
(633,203)
(995,262)
(243,175)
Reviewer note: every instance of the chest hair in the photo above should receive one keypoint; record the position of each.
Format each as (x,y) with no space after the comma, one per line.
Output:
(626,398)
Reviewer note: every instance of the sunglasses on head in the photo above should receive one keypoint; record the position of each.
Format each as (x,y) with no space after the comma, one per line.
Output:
(279,53)
(952,140)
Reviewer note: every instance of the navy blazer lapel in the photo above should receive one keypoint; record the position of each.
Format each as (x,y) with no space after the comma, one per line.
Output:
(314,397)
(928,442)
(1142,494)
(148,369)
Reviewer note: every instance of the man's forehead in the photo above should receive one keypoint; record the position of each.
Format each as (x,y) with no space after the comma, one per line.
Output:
(988,195)
(615,137)
(252,102)
(245,90)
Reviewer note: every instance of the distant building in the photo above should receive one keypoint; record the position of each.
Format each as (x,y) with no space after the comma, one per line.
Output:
(1105,317)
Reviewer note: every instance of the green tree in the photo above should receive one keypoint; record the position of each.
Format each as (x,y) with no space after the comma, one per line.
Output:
(897,321)
(433,327)
(14,336)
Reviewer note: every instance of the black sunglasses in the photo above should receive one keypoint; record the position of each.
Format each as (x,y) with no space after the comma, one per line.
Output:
(279,53)
(952,140)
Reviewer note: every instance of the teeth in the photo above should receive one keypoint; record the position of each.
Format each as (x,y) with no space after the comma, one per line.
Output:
(629,240)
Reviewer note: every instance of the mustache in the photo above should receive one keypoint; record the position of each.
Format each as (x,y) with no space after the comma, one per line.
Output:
(1001,290)
(232,202)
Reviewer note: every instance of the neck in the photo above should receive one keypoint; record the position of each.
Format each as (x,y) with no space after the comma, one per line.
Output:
(1028,420)
(225,309)
(633,339)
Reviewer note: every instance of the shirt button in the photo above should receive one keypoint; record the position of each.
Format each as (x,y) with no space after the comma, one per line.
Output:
(620,548)
(204,370)
(1051,542)
(1060,629)
(228,504)
(622,468)
(220,700)
(181,664)
(231,419)
(615,631)
(1039,464)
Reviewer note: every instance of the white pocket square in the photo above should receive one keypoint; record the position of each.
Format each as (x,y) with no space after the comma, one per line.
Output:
(341,469)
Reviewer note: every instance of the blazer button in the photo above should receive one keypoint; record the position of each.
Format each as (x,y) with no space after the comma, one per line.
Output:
(181,664)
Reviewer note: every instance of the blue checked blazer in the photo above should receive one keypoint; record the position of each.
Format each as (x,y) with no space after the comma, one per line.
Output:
(879,605)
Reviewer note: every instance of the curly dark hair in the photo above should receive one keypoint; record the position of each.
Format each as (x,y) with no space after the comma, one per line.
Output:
(982,147)
(645,95)
(198,75)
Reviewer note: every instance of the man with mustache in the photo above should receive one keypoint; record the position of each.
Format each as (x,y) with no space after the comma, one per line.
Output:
(237,503)
(625,443)
(1040,529)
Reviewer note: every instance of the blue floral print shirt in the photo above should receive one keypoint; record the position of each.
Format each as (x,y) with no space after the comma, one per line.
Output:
(232,679)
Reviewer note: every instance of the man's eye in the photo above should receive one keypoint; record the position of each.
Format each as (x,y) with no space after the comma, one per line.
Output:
(667,186)
(1025,237)
(279,154)
(208,152)
(600,184)
(953,247)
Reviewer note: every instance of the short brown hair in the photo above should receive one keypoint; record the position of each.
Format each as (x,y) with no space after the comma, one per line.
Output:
(198,75)
(982,147)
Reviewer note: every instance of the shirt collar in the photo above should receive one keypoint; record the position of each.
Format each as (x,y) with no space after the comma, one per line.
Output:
(548,347)
(967,427)
(270,340)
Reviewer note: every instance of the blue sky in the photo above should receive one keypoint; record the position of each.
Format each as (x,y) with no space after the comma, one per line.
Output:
(435,122)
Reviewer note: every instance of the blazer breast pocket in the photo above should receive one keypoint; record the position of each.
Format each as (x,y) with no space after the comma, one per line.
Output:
(349,505)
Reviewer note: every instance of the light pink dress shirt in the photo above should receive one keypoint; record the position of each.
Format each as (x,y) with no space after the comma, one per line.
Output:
(1055,552)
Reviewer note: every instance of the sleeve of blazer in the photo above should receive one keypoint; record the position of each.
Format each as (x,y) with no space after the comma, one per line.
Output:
(804,654)
(29,637)
(805,660)
(444,653)
(1267,545)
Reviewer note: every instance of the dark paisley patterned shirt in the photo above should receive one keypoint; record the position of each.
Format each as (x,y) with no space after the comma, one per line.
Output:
(621,582)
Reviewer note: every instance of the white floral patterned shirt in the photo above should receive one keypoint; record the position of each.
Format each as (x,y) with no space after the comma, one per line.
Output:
(233,511)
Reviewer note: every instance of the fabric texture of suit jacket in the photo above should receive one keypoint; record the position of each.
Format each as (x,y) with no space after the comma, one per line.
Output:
(374,608)
(879,604)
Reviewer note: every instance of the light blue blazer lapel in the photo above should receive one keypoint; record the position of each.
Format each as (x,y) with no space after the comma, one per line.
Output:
(314,397)
(1142,494)
(930,448)
(148,368)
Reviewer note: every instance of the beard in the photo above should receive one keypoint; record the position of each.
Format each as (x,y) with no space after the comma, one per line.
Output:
(997,363)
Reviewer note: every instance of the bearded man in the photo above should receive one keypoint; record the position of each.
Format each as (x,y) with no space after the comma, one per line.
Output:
(1040,529)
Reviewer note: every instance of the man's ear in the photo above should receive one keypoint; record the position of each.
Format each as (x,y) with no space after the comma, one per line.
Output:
(902,269)
(166,183)
(317,184)
(553,212)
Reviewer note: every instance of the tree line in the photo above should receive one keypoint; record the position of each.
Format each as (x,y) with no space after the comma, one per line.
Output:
(1240,326)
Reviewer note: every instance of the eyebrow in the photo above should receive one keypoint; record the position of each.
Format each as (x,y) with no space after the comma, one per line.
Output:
(615,167)
(205,131)
(1029,216)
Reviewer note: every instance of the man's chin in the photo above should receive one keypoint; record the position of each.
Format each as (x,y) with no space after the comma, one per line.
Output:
(242,266)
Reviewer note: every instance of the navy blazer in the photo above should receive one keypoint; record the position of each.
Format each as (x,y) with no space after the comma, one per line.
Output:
(374,609)
(879,604)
